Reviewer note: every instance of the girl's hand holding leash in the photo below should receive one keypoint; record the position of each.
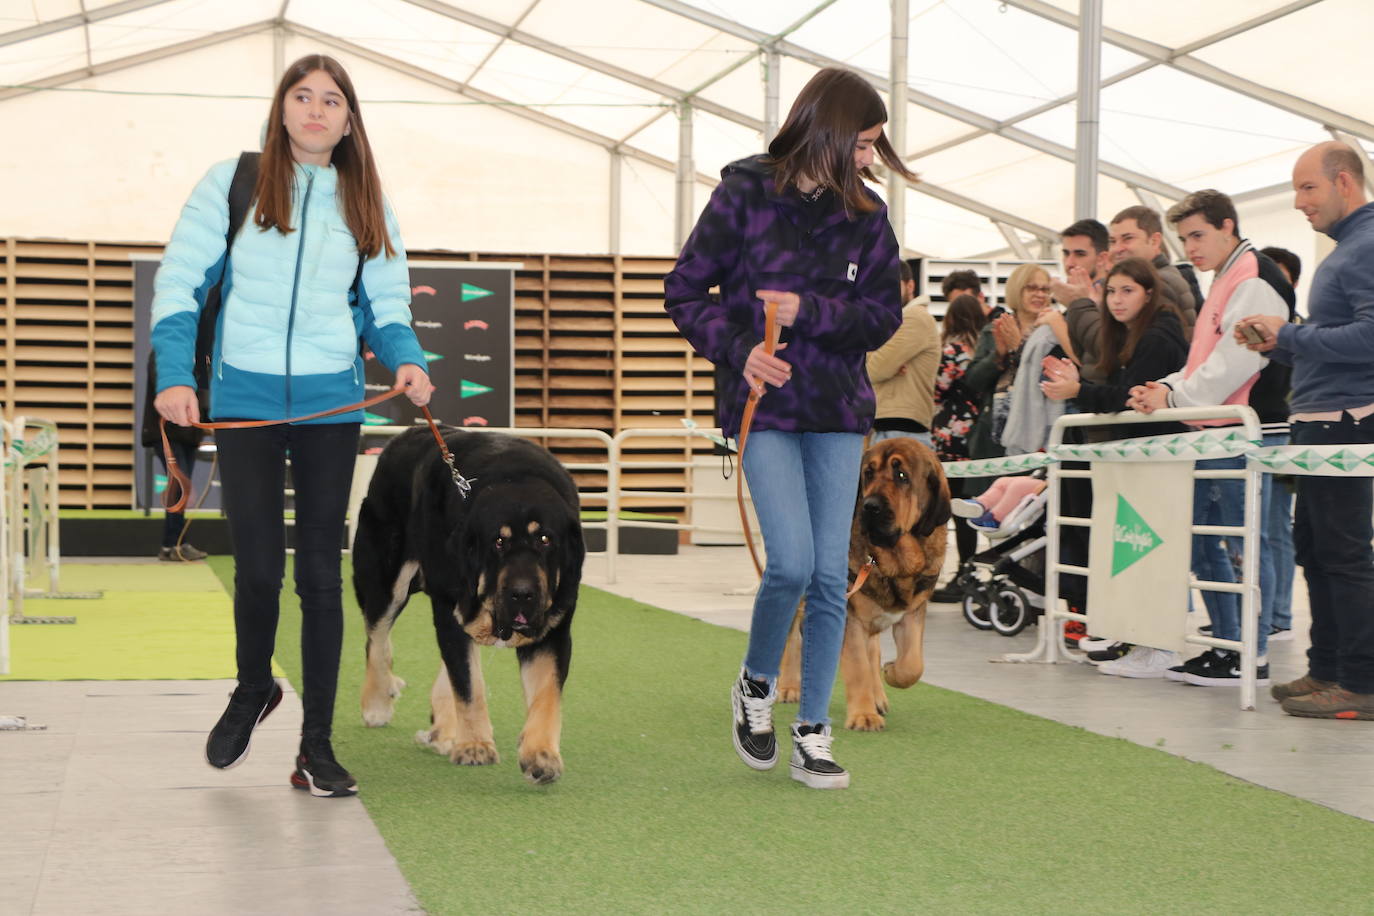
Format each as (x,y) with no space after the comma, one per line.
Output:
(762,367)
(788,304)
(414,381)
(178,405)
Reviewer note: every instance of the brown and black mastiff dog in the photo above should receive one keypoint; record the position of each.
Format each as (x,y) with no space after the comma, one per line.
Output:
(501,566)
(899,522)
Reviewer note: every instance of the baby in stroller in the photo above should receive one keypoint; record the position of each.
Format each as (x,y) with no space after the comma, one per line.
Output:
(1004,585)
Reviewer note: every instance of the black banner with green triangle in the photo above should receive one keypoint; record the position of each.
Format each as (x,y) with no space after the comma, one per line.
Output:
(464,318)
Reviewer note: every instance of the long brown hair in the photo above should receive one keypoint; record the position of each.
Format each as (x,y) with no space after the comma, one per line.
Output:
(963,321)
(1117,341)
(817,139)
(360,190)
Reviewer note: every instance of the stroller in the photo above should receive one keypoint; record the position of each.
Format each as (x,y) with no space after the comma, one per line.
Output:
(1004,586)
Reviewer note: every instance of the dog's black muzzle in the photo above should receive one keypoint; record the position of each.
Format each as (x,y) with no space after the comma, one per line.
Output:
(876,521)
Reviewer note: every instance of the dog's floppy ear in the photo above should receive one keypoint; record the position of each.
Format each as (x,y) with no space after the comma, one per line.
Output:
(469,555)
(572,551)
(936,512)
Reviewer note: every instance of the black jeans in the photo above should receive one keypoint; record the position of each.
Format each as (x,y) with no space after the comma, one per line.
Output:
(185,454)
(253,476)
(1331,538)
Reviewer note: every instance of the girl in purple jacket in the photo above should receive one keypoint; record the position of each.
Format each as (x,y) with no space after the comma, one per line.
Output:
(797,227)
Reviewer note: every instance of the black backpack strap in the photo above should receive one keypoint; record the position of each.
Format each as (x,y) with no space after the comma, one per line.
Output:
(241,195)
(240,198)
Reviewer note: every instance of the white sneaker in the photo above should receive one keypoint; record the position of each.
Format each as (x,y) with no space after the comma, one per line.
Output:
(1142,661)
(966,508)
(1094,643)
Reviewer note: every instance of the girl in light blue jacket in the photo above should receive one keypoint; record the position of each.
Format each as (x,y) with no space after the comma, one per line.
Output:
(317,265)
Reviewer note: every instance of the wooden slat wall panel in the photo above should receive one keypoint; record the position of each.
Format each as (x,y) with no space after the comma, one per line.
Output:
(594,349)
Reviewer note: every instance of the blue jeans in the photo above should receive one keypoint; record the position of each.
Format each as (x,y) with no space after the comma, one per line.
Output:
(803,486)
(1278,532)
(1218,502)
(878,435)
(1331,533)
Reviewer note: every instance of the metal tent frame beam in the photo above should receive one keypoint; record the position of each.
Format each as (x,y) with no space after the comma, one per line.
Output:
(609,144)
(511,33)
(84,18)
(1180,59)
(134,60)
(919,98)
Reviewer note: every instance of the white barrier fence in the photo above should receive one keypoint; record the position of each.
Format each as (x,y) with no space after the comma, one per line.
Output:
(612,497)
(1150,453)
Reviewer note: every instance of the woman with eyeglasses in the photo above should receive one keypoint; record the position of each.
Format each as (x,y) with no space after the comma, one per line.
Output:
(992,370)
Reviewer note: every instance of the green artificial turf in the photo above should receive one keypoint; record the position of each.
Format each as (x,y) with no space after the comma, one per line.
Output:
(163,621)
(961,806)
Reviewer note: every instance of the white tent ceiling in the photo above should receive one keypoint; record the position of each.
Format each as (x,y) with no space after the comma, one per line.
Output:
(526,125)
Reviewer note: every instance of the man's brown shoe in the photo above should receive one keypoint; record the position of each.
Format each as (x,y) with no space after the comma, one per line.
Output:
(1301,687)
(1331,703)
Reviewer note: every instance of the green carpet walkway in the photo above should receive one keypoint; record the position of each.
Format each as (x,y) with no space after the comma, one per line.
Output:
(961,806)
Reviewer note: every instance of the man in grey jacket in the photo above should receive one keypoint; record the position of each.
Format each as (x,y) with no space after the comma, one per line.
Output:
(1332,404)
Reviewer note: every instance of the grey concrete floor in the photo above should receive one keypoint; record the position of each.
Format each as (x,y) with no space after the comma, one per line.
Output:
(112,809)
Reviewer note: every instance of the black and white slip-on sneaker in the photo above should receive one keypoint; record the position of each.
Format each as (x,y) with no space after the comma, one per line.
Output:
(812,762)
(751,703)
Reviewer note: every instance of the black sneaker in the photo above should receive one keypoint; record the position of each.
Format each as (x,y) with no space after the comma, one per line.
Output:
(812,762)
(183,554)
(953,593)
(1196,663)
(1223,670)
(751,702)
(319,772)
(1109,654)
(233,733)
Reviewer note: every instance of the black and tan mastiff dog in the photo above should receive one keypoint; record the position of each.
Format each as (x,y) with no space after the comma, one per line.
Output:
(501,566)
(899,521)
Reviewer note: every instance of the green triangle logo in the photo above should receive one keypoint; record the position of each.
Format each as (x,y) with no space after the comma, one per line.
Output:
(372,419)
(1132,538)
(431,357)
(472,389)
(471,292)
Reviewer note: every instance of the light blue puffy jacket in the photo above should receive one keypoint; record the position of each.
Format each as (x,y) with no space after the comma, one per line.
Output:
(287,341)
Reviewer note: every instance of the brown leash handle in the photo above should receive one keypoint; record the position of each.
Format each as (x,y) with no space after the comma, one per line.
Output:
(177,477)
(771,331)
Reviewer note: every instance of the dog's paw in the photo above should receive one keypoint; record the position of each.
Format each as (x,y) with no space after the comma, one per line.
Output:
(377,713)
(864,722)
(430,737)
(894,679)
(474,754)
(883,705)
(541,767)
(788,694)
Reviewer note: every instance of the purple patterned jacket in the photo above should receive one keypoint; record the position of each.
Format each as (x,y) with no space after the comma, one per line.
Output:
(751,237)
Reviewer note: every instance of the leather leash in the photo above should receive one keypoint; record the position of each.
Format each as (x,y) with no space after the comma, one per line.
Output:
(770,345)
(176,476)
